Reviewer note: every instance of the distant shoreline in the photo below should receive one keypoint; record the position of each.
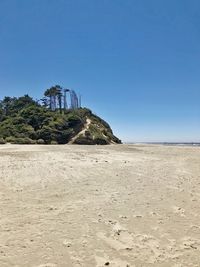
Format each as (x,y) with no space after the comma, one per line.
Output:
(164,143)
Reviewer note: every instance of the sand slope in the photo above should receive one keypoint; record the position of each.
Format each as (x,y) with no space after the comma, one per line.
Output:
(119,206)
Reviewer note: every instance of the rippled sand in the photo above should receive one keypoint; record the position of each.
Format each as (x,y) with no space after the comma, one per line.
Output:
(122,205)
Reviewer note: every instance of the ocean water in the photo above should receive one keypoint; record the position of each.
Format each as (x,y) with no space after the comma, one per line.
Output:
(168,143)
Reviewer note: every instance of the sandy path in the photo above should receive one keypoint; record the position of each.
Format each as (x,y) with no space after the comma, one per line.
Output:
(82,132)
(121,205)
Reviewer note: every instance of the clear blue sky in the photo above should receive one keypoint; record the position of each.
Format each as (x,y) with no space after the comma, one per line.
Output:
(135,62)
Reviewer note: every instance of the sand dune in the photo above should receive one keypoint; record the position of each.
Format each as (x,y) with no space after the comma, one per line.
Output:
(118,206)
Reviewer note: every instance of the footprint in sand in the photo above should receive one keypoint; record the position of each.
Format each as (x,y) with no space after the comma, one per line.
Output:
(119,238)
(103,261)
(113,243)
(178,210)
(117,228)
(67,243)
(189,243)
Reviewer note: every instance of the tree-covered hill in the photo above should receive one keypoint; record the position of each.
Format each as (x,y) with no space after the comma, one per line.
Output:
(26,121)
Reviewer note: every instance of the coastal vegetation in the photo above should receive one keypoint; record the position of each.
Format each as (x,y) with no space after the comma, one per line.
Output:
(24,120)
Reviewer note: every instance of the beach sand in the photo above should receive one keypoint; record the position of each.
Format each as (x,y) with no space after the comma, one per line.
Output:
(118,206)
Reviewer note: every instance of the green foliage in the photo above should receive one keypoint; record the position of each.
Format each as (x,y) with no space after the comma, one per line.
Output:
(10,139)
(84,140)
(46,134)
(2,141)
(40,142)
(101,141)
(54,143)
(24,121)
(36,116)
(64,136)
(12,105)
(23,141)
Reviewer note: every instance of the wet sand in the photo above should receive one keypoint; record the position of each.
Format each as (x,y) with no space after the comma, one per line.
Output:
(118,206)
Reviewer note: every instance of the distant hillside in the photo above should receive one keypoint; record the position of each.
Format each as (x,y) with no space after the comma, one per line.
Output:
(25,121)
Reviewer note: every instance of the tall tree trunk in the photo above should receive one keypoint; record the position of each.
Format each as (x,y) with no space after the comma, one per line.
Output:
(51,103)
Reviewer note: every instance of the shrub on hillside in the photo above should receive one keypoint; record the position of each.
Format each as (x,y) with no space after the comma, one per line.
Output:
(47,134)
(10,139)
(83,140)
(23,141)
(2,141)
(40,142)
(63,137)
(54,143)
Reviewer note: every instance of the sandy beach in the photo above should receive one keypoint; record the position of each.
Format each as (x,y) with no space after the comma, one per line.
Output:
(118,206)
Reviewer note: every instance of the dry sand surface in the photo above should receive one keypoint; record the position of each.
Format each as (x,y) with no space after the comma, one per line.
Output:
(118,206)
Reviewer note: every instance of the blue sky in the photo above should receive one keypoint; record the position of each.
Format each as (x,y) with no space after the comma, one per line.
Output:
(136,63)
